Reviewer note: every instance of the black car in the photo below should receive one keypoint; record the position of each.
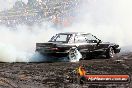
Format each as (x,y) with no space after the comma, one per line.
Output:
(69,44)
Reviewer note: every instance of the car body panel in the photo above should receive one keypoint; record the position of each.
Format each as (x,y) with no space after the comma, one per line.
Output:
(74,39)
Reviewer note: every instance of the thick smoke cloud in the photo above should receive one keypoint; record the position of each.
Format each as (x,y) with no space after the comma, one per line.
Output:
(110,20)
(19,45)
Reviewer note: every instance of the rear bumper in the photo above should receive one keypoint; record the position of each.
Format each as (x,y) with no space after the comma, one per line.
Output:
(52,53)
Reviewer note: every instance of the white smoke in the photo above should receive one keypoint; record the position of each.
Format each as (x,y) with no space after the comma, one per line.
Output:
(110,20)
(19,45)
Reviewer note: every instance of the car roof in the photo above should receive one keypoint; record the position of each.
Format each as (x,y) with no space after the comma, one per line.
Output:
(77,33)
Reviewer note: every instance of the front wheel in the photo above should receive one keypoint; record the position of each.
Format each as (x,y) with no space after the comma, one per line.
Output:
(110,53)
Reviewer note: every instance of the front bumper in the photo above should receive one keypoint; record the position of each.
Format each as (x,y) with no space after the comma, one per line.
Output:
(117,50)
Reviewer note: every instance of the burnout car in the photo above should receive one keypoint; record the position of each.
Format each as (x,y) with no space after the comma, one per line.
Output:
(71,44)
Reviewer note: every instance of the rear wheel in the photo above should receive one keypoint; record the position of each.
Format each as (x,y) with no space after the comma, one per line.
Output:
(74,55)
(110,53)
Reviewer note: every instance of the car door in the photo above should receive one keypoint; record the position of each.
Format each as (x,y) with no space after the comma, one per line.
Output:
(92,42)
(82,44)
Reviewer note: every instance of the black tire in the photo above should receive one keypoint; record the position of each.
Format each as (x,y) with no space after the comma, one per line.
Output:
(110,53)
(73,54)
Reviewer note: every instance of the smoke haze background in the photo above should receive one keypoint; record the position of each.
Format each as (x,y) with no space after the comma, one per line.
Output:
(7,4)
(110,20)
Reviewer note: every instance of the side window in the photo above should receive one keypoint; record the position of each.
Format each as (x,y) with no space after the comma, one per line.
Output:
(91,39)
(61,38)
(80,39)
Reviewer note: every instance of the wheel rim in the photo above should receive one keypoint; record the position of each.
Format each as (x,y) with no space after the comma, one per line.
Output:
(72,54)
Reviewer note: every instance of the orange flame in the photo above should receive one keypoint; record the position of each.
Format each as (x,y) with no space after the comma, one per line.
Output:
(81,71)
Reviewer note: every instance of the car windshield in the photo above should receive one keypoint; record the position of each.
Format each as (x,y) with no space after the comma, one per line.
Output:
(60,38)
